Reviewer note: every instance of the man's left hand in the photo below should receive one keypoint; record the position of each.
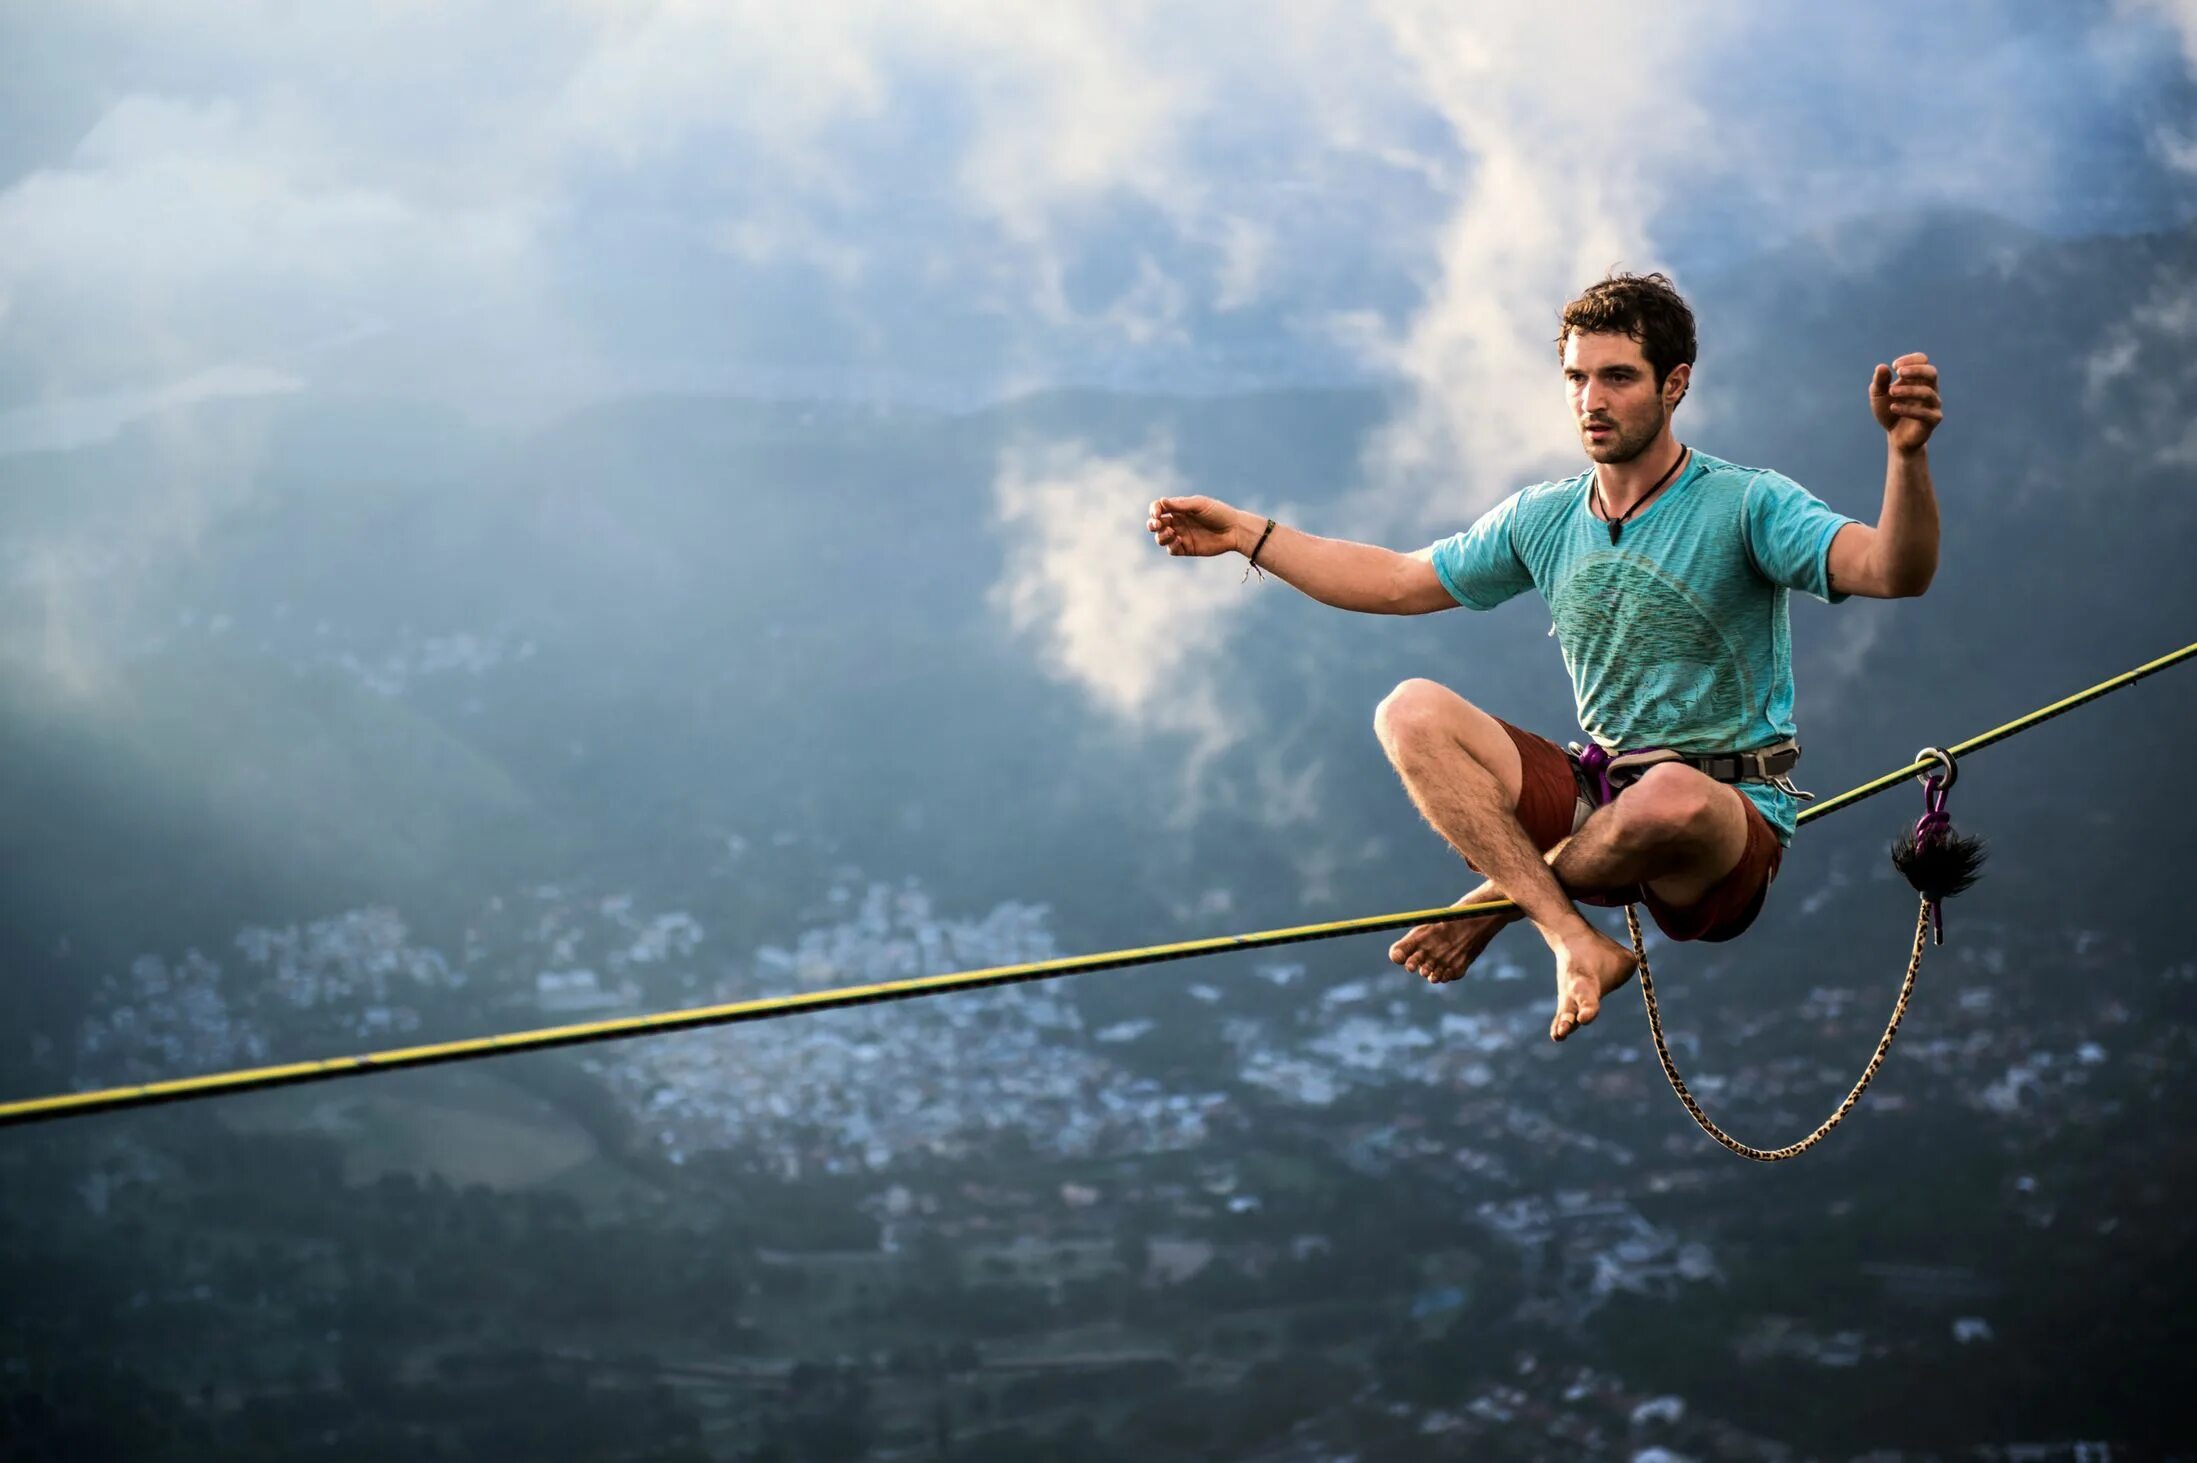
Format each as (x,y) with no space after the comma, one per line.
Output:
(1904,396)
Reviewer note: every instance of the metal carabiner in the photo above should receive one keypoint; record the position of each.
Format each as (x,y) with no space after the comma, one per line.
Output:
(1945,760)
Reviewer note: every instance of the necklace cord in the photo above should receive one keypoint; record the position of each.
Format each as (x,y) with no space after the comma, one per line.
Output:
(1617,524)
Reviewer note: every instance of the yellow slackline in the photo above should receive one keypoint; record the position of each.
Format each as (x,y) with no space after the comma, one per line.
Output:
(215,1084)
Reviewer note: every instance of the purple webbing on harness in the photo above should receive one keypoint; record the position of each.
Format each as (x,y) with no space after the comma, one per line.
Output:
(1932,827)
(1595,759)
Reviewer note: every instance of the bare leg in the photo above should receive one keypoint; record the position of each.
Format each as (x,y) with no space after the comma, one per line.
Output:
(1442,952)
(1678,833)
(1430,734)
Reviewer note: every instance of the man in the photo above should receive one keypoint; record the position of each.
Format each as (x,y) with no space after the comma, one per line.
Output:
(1666,572)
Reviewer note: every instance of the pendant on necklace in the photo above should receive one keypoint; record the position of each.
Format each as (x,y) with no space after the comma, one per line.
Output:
(1618,523)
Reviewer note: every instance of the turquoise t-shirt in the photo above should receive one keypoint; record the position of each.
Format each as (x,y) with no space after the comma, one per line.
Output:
(1678,635)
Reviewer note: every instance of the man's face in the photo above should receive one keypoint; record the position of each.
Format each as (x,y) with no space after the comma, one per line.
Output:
(1614,399)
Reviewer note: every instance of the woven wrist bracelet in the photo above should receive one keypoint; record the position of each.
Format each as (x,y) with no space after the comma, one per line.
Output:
(1254,561)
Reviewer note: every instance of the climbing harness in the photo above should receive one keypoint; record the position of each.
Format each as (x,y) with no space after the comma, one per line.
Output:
(1603,774)
(249,1079)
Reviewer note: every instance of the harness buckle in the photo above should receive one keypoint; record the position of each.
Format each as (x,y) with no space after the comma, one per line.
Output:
(1608,772)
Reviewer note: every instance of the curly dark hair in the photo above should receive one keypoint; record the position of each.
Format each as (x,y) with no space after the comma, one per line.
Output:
(1646,307)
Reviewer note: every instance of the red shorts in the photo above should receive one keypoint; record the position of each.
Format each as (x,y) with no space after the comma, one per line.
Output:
(1551,806)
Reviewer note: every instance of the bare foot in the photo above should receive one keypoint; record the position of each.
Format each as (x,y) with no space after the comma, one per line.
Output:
(1441,953)
(1587,969)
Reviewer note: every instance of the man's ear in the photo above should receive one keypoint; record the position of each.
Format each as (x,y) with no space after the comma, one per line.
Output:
(1675,384)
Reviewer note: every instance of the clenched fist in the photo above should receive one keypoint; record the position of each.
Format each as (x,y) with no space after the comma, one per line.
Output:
(1195,527)
(1904,396)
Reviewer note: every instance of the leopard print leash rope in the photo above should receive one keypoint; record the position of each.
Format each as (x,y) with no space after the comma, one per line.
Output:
(1678,1083)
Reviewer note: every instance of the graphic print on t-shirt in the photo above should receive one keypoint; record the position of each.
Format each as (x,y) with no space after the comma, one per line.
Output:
(1638,646)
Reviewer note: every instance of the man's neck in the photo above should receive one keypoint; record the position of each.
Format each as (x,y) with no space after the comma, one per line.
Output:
(1624,485)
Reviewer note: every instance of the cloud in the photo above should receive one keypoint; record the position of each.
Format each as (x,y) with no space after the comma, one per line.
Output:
(1613,135)
(2180,16)
(1286,793)
(2141,377)
(1550,199)
(766,239)
(83,420)
(1247,252)
(972,196)
(182,237)
(1108,610)
(74,592)
(1067,188)
(767,88)
(185,251)
(2177,144)
(1075,101)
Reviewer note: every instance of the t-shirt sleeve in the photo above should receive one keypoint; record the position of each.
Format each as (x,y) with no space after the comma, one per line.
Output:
(1789,533)
(1480,567)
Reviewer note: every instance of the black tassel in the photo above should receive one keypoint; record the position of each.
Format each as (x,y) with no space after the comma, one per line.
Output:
(1946,864)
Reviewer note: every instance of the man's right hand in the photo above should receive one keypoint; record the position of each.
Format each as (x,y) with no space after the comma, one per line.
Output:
(1195,527)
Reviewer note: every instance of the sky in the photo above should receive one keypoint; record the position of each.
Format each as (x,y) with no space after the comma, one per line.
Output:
(517,207)
(515,210)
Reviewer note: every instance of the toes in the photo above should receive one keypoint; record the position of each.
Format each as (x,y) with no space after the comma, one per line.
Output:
(1432,954)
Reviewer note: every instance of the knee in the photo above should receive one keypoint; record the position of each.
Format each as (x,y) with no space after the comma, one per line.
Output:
(1411,713)
(1669,805)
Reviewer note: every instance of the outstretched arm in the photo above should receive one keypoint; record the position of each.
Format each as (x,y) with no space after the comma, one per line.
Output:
(1338,572)
(1898,557)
